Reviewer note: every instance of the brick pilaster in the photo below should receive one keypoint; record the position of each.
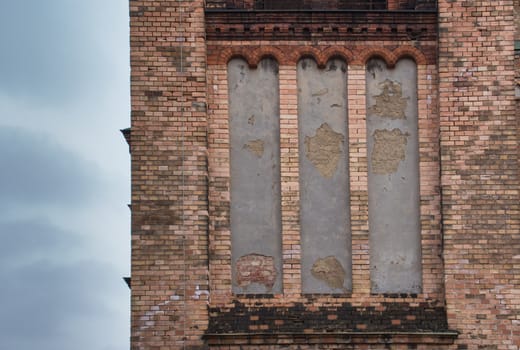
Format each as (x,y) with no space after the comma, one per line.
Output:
(479,172)
(169,174)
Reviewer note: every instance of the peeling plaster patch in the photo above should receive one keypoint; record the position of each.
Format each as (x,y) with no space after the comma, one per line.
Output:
(324,149)
(256,147)
(255,268)
(390,103)
(330,271)
(389,150)
(251,120)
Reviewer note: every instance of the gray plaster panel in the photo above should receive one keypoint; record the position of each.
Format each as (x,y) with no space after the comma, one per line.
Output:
(255,176)
(324,190)
(393,177)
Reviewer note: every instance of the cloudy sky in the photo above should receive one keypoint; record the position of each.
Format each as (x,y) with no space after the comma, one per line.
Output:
(64,175)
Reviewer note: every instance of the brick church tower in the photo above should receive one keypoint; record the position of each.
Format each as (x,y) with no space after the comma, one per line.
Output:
(325,174)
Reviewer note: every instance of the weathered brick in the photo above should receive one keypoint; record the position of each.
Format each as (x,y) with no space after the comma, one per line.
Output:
(468,169)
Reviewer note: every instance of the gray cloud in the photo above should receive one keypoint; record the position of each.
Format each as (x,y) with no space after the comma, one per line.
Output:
(54,50)
(49,301)
(63,73)
(30,240)
(37,171)
(52,295)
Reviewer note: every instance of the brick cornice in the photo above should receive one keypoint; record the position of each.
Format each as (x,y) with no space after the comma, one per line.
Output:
(321,25)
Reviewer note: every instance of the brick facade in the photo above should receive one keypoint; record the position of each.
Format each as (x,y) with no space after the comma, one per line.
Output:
(169,174)
(468,169)
(479,174)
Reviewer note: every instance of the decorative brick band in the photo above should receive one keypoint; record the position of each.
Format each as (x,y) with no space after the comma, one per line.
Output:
(290,55)
(321,25)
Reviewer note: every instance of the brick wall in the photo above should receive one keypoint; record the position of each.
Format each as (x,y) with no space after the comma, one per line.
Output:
(169,184)
(479,157)
(181,240)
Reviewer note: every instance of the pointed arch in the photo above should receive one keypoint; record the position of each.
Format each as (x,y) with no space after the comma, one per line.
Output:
(228,54)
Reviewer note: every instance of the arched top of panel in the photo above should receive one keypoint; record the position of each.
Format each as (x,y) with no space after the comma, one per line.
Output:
(391,57)
(341,53)
(266,52)
(309,52)
(410,52)
(227,55)
(236,53)
(252,57)
(381,53)
(323,59)
(308,57)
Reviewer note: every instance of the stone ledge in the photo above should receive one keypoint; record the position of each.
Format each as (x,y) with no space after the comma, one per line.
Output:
(437,338)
